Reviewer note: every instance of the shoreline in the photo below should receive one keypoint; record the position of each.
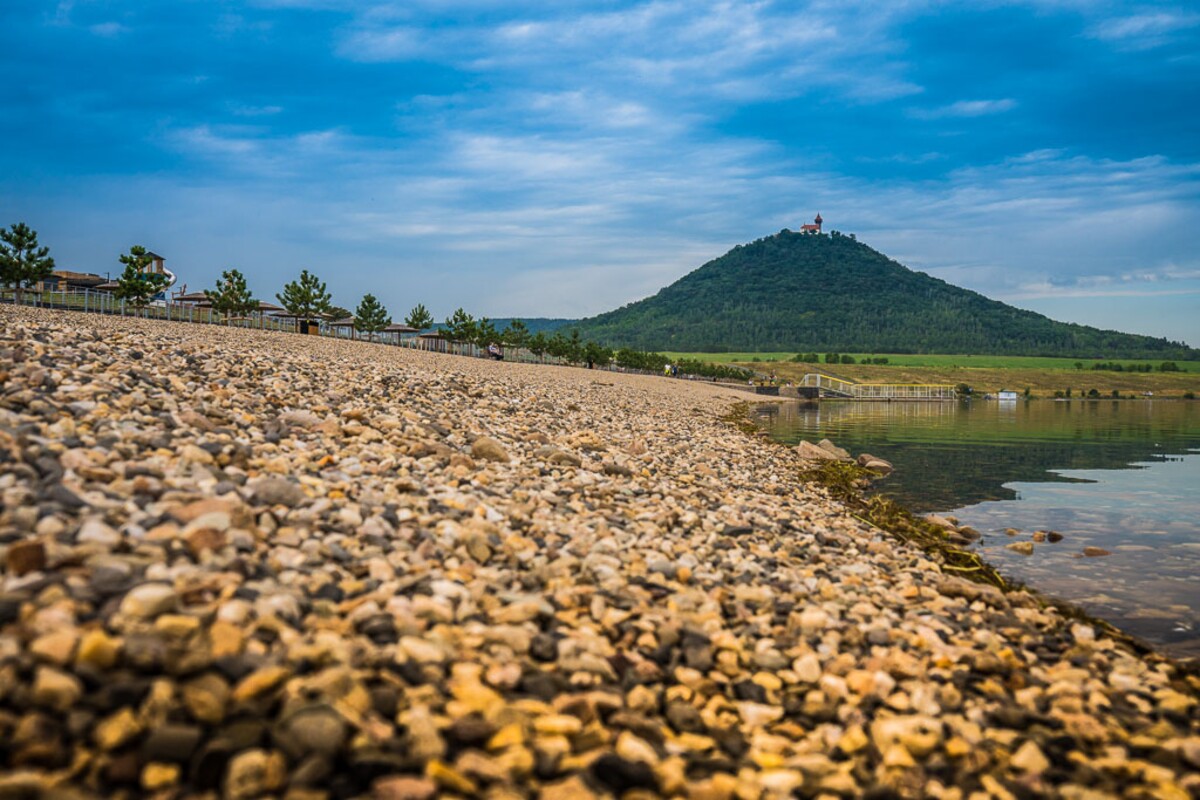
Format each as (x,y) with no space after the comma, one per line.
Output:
(850,484)
(315,566)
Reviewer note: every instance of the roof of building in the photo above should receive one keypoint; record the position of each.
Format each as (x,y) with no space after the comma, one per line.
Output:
(399,327)
(72,275)
(155,256)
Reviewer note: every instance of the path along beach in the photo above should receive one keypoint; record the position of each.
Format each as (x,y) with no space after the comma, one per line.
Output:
(241,564)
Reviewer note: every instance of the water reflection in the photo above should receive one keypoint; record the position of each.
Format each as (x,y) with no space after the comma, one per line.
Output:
(1118,475)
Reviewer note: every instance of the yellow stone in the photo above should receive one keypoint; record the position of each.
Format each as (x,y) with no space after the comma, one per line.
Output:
(507,736)
(116,730)
(898,756)
(957,747)
(177,626)
(157,776)
(260,682)
(97,649)
(449,778)
(633,748)
(853,740)
(557,725)
(517,762)
(227,639)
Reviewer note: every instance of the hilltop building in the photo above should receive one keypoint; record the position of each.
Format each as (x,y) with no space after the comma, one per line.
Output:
(815,227)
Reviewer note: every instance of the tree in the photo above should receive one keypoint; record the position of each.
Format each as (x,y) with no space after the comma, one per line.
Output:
(22,262)
(485,333)
(137,285)
(574,352)
(597,354)
(460,326)
(538,344)
(337,312)
(516,334)
(231,297)
(306,299)
(419,318)
(371,316)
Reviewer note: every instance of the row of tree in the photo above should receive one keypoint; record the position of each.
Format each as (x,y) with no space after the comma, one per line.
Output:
(835,358)
(1113,366)
(24,264)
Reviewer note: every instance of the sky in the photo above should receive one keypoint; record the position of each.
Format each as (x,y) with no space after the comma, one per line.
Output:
(559,159)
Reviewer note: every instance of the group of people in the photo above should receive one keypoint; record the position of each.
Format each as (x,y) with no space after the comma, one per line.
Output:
(671,370)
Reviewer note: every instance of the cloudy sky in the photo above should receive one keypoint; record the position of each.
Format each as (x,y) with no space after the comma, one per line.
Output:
(563,158)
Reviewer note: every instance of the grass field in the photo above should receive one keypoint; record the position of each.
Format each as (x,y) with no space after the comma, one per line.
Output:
(1040,381)
(938,360)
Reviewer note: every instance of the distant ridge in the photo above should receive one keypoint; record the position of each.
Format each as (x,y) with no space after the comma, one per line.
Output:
(813,291)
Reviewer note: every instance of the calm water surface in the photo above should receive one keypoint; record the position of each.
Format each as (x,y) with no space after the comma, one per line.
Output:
(1124,476)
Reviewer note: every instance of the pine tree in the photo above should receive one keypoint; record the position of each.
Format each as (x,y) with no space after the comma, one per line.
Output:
(371,316)
(461,326)
(419,318)
(232,297)
(485,333)
(22,262)
(516,334)
(306,299)
(137,285)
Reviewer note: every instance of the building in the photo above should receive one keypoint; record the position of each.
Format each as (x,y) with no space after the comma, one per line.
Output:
(815,227)
(66,280)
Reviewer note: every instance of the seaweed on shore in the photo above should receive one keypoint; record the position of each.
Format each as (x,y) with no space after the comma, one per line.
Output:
(845,483)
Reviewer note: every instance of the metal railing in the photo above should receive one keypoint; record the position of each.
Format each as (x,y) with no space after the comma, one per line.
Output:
(831,386)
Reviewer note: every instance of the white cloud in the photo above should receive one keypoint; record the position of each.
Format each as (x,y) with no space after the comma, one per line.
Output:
(108,30)
(1143,31)
(967,108)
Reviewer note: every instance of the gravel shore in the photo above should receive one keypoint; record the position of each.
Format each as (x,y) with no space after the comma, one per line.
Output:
(240,564)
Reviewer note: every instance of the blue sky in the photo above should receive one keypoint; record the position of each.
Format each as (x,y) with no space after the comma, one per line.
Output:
(560,159)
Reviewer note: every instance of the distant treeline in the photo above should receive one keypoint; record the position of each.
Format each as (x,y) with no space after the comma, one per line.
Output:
(1113,366)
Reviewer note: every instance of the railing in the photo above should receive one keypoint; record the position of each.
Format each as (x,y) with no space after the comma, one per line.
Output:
(92,301)
(844,387)
(829,383)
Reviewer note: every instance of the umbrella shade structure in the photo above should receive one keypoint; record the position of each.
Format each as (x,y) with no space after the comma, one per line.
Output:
(195,298)
(397,327)
(269,308)
(345,322)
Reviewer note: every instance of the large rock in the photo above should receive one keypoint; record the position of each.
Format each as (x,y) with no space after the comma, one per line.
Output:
(489,449)
(278,492)
(811,452)
(839,453)
(149,600)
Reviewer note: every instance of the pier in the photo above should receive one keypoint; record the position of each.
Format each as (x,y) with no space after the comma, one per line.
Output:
(833,387)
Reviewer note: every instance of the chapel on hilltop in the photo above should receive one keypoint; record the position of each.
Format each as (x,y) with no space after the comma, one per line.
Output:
(815,227)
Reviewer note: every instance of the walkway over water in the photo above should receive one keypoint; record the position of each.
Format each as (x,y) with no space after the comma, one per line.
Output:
(834,386)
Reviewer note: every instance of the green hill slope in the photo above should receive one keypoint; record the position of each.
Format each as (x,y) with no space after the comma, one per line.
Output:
(795,291)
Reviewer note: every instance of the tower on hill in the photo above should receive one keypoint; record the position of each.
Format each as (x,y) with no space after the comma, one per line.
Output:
(815,227)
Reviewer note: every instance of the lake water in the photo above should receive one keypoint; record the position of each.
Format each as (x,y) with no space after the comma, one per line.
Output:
(1123,476)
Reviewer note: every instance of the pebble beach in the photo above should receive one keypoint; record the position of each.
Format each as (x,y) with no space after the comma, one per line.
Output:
(241,564)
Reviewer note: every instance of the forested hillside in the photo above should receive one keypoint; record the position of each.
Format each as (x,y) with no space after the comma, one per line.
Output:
(795,291)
